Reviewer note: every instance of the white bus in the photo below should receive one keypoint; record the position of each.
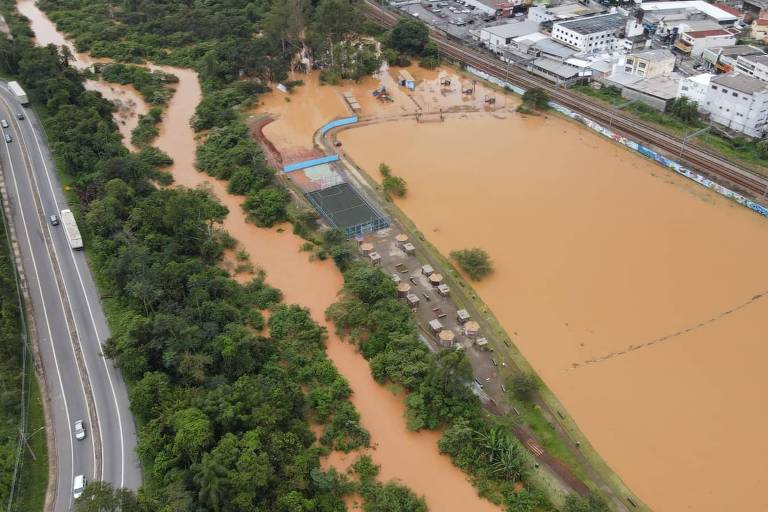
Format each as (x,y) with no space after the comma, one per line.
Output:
(18,92)
(70,227)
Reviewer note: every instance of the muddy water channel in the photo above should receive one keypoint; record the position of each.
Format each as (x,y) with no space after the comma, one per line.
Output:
(635,294)
(406,456)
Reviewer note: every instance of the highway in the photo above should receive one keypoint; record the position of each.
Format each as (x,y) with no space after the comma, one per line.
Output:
(69,318)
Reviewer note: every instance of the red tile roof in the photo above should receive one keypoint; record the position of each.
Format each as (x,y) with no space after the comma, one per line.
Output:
(761,21)
(698,34)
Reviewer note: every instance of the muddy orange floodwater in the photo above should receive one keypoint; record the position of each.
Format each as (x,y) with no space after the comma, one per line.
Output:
(406,456)
(604,260)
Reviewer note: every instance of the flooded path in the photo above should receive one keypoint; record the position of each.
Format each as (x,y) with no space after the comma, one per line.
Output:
(411,458)
(597,252)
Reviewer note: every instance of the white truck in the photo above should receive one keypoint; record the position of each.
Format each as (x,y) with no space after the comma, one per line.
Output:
(19,93)
(70,228)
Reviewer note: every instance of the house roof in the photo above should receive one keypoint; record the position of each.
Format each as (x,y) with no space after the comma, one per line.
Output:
(716,12)
(653,55)
(662,87)
(728,8)
(557,68)
(761,21)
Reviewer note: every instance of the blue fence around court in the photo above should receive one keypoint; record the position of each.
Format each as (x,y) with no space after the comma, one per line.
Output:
(338,122)
(633,145)
(310,163)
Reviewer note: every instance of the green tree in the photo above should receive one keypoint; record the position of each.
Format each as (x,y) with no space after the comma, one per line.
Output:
(267,206)
(536,98)
(475,262)
(409,36)
(210,477)
(99,496)
(685,110)
(524,386)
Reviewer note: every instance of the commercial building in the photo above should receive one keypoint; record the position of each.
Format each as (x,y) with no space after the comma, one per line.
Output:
(694,43)
(695,88)
(738,102)
(650,64)
(754,65)
(724,59)
(499,36)
(557,72)
(568,11)
(593,34)
(654,12)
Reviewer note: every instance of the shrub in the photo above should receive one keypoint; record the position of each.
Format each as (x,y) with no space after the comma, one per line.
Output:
(475,262)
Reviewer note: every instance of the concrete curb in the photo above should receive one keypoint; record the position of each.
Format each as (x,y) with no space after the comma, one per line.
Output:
(34,341)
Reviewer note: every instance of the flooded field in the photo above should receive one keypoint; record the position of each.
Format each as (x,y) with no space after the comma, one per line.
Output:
(637,295)
(405,456)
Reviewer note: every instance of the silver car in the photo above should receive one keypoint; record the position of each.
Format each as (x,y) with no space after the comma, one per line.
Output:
(79,430)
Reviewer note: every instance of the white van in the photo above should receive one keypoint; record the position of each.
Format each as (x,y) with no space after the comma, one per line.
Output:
(79,487)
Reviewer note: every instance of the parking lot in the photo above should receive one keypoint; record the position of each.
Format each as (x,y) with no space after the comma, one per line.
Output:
(451,16)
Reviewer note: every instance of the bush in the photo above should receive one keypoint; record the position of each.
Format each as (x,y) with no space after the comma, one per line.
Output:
(524,386)
(475,262)
(394,185)
(536,98)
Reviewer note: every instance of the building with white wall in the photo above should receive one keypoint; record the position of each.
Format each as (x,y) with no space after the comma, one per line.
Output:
(496,38)
(594,34)
(754,65)
(650,63)
(695,88)
(739,102)
(695,42)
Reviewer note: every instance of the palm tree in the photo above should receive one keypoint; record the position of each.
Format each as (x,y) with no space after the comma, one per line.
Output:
(211,477)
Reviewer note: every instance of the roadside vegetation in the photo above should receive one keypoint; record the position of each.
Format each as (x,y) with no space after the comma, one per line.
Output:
(475,262)
(23,469)
(682,118)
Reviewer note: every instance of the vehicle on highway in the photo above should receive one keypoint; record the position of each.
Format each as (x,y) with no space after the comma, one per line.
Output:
(4,123)
(8,138)
(477,381)
(18,92)
(20,116)
(54,220)
(79,486)
(71,229)
(79,430)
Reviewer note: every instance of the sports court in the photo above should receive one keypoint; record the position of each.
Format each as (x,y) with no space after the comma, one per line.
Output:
(346,209)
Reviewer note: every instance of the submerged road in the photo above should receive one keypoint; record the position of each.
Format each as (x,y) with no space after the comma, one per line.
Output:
(80,383)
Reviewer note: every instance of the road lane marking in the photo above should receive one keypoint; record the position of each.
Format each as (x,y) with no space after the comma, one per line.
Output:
(93,321)
(47,323)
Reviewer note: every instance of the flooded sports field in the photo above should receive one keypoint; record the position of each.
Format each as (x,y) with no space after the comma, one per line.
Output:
(639,297)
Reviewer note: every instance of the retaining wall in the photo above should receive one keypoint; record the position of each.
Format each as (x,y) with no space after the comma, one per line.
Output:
(309,163)
(633,145)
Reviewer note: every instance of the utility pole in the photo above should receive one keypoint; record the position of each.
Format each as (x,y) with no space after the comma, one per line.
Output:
(619,107)
(689,136)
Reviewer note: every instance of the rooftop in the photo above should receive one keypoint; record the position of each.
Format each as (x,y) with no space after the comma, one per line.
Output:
(741,82)
(688,5)
(663,87)
(703,78)
(592,24)
(755,59)
(761,21)
(728,8)
(701,34)
(557,68)
(550,47)
(514,29)
(572,10)
(736,51)
(653,55)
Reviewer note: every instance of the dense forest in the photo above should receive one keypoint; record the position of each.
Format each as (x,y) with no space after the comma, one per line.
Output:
(225,407)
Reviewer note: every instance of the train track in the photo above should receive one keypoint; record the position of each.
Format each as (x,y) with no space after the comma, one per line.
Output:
(704,161)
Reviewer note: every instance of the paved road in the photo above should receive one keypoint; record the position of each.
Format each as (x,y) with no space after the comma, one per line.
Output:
(70,321)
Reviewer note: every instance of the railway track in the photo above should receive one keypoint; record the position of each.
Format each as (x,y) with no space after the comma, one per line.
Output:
(704,161)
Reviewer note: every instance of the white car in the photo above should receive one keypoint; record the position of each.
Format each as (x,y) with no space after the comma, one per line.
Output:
(79,430)
(79,486)
(4,123)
